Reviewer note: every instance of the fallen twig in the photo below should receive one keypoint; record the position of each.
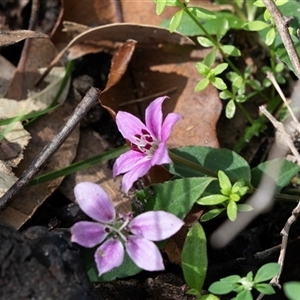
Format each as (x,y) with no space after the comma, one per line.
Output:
(83,107)
(281,22)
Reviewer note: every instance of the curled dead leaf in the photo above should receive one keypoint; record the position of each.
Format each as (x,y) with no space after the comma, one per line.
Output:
(8,37)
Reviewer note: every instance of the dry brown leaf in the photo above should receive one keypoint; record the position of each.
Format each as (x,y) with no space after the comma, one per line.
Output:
(105,35)
(7,71)
(40,54)
(19,136)
(8,37)
(42,131)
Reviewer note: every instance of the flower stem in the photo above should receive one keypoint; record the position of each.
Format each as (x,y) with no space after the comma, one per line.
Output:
(186,162)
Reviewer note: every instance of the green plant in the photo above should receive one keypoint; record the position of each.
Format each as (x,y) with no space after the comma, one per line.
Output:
(244,285)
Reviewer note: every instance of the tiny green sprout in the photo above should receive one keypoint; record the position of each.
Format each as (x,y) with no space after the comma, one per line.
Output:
(230,194)
(210,76)
(244,285)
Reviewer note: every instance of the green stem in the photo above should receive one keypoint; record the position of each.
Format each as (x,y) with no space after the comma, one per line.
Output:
(195,166)
(80,165)
(248,117)
(214,41)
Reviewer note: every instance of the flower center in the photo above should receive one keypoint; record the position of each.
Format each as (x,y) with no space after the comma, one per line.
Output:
(145,143)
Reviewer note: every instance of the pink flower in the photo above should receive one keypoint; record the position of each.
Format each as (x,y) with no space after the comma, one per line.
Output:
(113,233)
(148,142)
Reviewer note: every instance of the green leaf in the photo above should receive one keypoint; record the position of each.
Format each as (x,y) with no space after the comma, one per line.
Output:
(202,13)
(287,171)
(189,28)
(194,257)
(211,214)
(128,268)
(265,288)
(205,42)
(222,29)
(266,272)
(220,68)
(246,294)
(202,84)
(259,3)
(232,210)
(231,50)
(208,297)
(176,197)
(80,165)
(160,6)
(283,56)
(224,286)
(212,159)
(219,83)
(175,21)
(270,37)
(212,200)
(202,69)
(292,290)
(255,25)
(230,109)
(210,58)
(244,207)
(225,183)
(226,95)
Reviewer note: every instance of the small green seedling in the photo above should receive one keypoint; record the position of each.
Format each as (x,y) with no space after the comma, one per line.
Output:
(230,195)
(244,286)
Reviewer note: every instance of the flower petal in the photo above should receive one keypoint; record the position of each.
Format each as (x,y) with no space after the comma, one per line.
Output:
(161,155)
(94,202)
(145,254)
(168,124)
(129,125)
(154,115)
(109,255)
(134,174)
(88,234)
(128,161)
(155,225)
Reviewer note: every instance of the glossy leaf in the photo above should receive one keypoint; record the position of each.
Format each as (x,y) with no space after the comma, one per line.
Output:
(194,257)
(210,58)
(232,210)
(211,214)
(292,289)
(202,84)
(265,288)
(176,197)
(230,109)
(175,21)
(205,42)
(231,50)
(255,25)
(212,200)
(266,272)
(287,172)
(212,159)
(219,83)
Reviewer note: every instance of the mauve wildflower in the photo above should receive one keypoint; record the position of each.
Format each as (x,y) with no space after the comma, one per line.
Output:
(136,234)
(148,142)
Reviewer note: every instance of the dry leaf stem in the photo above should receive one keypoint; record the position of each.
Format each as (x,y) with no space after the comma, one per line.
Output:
(83,107)
(281,22)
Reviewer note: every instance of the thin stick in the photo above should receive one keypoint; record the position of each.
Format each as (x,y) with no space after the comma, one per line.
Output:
(83,107)
(285,137)
(282,27)
(279,91)
(285,236)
